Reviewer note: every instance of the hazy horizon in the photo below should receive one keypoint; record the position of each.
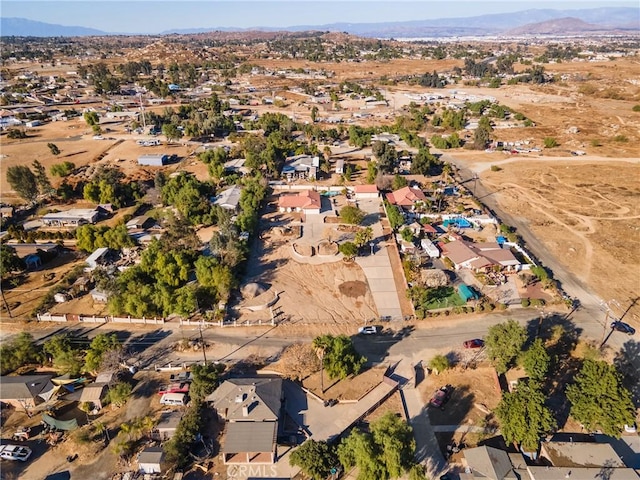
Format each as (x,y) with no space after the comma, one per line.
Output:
(155,16)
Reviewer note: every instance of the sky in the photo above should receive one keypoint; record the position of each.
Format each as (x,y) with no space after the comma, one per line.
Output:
(155,16)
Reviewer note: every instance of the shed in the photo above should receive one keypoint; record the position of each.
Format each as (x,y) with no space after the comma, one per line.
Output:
(365,191)
(96,258)
(150,459)
(99,296)
(94,393)
(153,160)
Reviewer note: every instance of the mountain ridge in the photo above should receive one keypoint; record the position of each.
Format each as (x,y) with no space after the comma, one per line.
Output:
(605,18)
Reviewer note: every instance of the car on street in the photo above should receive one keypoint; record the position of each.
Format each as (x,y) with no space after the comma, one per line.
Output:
(475,343)
(623,327)
(441,397)
(368,330)
(15,452)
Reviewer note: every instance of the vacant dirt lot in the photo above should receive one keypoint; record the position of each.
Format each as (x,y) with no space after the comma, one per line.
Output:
(586,213)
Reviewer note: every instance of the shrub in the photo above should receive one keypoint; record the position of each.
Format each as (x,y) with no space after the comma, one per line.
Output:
(636,108)
(525,302)
(495,168)
(620,139)
(439,364)
(550,142)
(596,143)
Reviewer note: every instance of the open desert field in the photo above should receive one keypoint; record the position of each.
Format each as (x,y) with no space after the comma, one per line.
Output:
(586,213)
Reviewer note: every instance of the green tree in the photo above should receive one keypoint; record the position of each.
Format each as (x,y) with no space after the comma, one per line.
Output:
(396,219)
(399,182)
(53,148)
(439,364)
(599,401)
(9,261)
(91,118)
(100,344)
(504,342)
(314,458)
(171,131)
(351,215)
(339,357)
(407,234)
(523,416)
(18,352)
(386,452)
(23,181)
(363,237)
(119,393)
(62,169)
(536,361)
(314,114)
(65,358)
(348,249)
(178,448)
(205,379)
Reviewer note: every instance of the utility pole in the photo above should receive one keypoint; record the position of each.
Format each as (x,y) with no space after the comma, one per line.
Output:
(204,349)
(322,371)
(475,181)
(6,304)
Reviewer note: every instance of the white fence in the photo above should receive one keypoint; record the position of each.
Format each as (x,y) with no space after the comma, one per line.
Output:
(47,317)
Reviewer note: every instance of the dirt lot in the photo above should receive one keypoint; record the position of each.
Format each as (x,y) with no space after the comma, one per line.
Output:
(586,213)
(352,388)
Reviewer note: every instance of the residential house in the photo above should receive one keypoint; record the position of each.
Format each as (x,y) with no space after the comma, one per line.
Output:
(26,391)
(362,192)
(228,199)
(406,197)
(236,166)
(390,138)
(479,256)
(251,408)
(167,425)
(150,460)
(307,201)
(580,454)
(71,218)
(140,223)
(488,463)
(301,167)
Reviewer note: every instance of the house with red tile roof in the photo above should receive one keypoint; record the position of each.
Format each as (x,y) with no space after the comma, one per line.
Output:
(365,191)
(406,197)
(307,201)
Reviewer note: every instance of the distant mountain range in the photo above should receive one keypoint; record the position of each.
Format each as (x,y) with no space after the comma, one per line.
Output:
(527,22)
(21,27)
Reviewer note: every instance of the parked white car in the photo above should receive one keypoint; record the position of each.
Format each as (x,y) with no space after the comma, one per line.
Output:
(368,330)
(15,452)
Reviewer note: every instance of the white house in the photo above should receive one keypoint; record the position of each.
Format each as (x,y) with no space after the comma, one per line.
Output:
(96,258)
(71,218)
(363,192)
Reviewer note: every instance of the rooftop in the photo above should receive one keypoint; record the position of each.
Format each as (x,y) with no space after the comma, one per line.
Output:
(250,437)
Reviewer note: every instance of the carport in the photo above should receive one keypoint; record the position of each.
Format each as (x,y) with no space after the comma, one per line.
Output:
(250,442)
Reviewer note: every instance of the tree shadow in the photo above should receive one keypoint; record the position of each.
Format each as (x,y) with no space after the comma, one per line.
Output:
(376,347)
(624,362)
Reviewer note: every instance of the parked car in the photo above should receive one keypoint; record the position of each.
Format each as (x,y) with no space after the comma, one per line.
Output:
(368,330)
(174,388)
(623,327)
(182,377)
(475,343)
(15,452)
(441,397)
(330,402)
(630,428)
